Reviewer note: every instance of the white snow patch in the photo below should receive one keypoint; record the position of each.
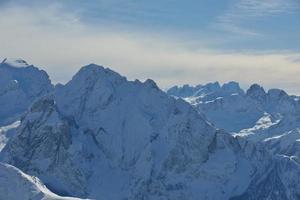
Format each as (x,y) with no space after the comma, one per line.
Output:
(263,123)
(15,62)
(16,185)
(4,131)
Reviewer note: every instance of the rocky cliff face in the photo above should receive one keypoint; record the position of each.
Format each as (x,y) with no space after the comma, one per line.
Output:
(103,137)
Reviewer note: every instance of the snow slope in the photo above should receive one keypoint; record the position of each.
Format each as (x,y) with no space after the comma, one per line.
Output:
(16,185)
(103,137)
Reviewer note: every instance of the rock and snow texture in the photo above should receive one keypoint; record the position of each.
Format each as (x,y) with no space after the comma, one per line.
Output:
(16,185)
(6,132)
(21,84)
(272,117)
(103,137)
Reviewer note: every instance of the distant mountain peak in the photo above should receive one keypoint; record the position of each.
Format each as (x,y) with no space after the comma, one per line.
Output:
(213,86)
(232,87)
(15,62)
(277,93)
(151,83)
(231,84)
(256,90)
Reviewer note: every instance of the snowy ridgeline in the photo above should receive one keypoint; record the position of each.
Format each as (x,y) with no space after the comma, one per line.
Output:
(16,185)
(271,118)
(102,137)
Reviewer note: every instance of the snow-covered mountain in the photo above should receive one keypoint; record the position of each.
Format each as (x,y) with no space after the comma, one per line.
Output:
(21,84)
(103,137)
(271,117)
(16,185)
(206,92)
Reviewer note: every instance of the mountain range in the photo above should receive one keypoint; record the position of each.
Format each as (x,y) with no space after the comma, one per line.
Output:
(101,136)
(271,117)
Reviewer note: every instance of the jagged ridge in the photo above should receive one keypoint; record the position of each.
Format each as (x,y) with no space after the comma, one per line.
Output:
(101,136)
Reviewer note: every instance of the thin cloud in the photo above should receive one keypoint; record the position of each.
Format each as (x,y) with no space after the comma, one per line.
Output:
(60,43)
(295,59)
(235,18)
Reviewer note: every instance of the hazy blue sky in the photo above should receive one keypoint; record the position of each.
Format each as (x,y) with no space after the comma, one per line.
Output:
(172,42)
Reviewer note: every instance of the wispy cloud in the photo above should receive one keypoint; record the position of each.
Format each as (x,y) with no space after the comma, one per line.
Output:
(59,42)
(239,14)
(295,59)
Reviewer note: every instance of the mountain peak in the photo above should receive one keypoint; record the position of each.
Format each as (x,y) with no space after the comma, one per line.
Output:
(213,86)
(151,83)
(92,74)
(15,62)
(256,90)
(277,92)
(95,71)
(182,91)
(232,87)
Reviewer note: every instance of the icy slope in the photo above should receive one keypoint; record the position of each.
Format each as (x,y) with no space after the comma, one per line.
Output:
(20,84)
(16,185)
(103,137)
